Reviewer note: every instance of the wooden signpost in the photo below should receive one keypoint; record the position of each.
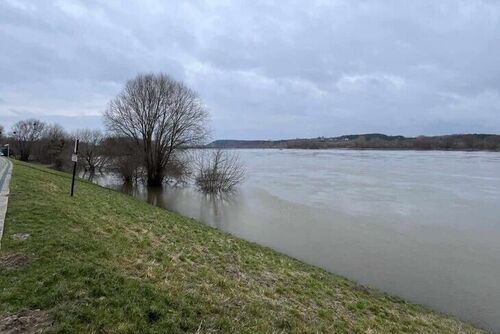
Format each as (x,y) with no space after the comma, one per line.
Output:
(74,158)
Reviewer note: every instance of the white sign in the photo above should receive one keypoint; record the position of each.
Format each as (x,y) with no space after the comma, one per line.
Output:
(74,157)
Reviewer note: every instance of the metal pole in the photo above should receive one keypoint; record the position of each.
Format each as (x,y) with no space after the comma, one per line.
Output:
(75,159)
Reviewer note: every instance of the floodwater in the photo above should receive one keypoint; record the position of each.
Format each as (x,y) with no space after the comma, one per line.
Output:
(424,226)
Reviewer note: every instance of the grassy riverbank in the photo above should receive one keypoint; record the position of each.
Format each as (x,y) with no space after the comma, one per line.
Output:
(105,262)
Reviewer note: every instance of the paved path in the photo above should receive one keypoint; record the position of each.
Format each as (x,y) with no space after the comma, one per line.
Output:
(5,174)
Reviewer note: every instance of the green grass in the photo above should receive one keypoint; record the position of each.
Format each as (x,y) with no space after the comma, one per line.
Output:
(105,262)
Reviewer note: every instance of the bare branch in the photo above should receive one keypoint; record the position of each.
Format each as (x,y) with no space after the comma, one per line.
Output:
(25,134)
(219,171)
(161,115)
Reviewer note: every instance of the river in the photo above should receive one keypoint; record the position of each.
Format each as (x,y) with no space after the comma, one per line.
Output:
(424,226)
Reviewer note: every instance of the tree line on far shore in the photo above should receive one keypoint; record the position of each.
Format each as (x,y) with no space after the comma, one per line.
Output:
(150,125)
(477,142)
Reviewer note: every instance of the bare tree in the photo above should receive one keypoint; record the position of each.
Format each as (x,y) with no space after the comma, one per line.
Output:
(53,146)
(161,115)
(25,134)
(91,149)
(124,158)
(1,132)
(218,171)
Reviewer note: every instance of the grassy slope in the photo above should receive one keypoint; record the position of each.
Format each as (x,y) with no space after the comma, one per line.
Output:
(105,262)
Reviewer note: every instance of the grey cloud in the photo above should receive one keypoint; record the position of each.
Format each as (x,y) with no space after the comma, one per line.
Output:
(264,69)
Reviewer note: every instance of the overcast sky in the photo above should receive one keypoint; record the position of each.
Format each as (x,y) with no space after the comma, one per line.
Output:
(264,69)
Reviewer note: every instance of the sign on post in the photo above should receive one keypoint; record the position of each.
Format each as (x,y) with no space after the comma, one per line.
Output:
(74,158)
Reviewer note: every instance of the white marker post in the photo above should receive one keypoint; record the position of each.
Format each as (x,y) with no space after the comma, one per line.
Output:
(74,158)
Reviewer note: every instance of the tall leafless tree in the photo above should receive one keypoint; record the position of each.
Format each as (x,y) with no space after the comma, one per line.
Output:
(161,115)
(25,134)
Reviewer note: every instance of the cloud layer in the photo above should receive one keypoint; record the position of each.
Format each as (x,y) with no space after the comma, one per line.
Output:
(265,69)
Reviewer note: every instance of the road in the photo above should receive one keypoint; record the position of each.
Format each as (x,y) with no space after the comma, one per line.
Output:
(5,174)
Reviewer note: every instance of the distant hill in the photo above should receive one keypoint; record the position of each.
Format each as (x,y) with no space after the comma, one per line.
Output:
(374,141)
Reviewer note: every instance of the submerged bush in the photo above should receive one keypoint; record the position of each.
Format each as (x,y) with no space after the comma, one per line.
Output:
(218,171)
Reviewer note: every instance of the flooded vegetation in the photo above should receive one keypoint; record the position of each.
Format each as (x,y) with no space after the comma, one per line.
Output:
(422,225)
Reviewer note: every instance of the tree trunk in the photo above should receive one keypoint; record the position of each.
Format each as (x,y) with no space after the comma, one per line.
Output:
(155,177)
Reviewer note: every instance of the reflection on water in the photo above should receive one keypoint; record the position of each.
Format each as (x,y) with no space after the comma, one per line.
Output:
(421,225)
